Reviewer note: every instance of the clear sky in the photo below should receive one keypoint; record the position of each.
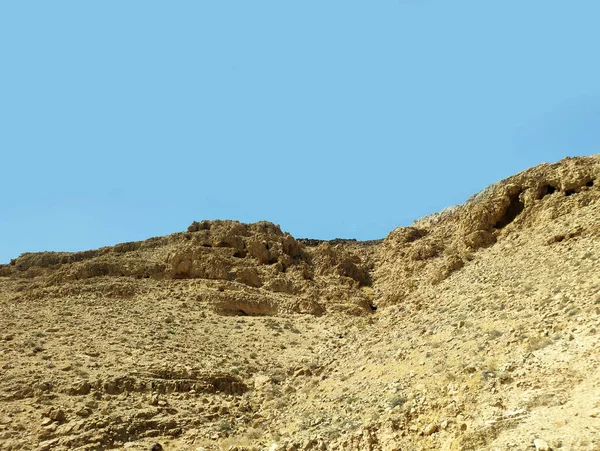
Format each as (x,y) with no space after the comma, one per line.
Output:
(122,120)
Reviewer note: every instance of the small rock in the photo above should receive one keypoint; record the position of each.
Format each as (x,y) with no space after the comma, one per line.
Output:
(508,367)
(83,412)
(5,419)
(48,444)
(46,422)
(541,445)
(156,447)
(57,415)
(430,429)
(80,388)
(51,428)
(154,400)
(300,372)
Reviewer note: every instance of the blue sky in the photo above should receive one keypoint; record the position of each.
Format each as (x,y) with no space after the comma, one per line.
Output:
(125,120)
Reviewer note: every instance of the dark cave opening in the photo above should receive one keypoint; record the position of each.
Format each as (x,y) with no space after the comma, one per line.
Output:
(569,192)
(590,183)
(514,209)
(550,189)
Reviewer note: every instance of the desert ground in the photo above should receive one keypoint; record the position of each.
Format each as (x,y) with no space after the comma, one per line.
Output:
(477,328)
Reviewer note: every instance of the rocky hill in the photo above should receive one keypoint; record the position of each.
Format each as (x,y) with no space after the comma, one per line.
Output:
(473,329)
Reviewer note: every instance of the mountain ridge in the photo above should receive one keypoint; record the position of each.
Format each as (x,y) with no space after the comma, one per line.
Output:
(473,328)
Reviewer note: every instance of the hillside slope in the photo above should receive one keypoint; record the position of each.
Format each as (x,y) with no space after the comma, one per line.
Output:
(476,328)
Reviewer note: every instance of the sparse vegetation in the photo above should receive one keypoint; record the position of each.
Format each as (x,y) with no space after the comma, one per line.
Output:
(537,343)
(397,400)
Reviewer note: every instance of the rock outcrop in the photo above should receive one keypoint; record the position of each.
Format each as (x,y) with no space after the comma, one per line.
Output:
(422,255)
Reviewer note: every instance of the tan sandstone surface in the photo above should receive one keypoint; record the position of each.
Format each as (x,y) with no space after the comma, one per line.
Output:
(477,328)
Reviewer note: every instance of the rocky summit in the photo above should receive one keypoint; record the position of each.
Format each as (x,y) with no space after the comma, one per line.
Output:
(476,328)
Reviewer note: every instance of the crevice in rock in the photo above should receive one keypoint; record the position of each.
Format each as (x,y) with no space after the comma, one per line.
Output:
(514,209)
(569,192)
(366,281)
